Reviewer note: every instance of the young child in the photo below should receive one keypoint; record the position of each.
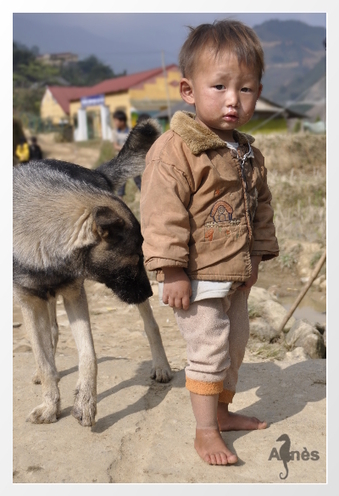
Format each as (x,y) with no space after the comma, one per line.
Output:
(207,221)
(35,152)
(22,151)
(121,130)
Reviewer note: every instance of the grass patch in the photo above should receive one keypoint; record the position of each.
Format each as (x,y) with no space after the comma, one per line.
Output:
(274,351)
(95,143)
(253,311)
(106,153)
(260,125)
(287,260)
(299,202)
(315,259)
(286,152)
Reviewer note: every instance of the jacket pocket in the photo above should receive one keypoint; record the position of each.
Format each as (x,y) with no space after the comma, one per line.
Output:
(223,244)
(222,230)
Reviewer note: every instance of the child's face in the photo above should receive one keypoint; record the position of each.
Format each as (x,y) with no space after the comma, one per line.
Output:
(118,124)
(224,93)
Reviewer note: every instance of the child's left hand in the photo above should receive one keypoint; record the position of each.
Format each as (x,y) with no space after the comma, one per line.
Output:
(255,261)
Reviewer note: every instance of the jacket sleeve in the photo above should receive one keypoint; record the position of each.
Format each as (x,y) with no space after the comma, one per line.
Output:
(165,226)
(265,242)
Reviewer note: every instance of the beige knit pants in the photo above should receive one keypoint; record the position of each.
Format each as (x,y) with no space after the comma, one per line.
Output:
(216,332)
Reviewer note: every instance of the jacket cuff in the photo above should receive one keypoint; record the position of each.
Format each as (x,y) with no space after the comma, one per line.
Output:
(159,263)
(264,255)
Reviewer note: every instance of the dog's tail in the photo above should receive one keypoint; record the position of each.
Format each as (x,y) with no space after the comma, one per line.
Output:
(130,161)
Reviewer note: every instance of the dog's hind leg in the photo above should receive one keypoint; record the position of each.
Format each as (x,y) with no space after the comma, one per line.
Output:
(75,302)
(37,321)
(54,331)
(161,370)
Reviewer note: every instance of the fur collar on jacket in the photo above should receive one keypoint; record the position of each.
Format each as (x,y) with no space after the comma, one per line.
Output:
(199,138)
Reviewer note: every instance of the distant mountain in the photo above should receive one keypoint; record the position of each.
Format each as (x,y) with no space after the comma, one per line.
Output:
(299,33)
(295,58)
(296,90)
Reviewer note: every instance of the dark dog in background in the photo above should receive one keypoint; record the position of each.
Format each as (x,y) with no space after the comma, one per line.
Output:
(69,226)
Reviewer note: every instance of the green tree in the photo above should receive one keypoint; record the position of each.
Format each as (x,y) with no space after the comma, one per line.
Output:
(35,72)
(30,76)
(86,72)
(27,100)
(21,56)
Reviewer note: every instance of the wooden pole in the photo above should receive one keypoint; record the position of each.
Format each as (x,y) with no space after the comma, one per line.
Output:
(166,86)
(303,292)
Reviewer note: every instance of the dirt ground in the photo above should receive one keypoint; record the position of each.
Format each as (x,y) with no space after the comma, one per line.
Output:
(144,430)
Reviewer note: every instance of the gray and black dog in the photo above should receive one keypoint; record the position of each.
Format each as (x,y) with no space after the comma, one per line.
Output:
(68,226)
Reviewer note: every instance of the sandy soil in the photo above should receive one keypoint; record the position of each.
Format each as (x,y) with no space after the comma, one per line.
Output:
(139,419)
(144,431)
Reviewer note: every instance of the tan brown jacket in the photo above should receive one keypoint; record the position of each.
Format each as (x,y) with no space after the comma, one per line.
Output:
(200,208)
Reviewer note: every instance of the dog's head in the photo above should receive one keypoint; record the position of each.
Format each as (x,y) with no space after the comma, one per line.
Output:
(116,259)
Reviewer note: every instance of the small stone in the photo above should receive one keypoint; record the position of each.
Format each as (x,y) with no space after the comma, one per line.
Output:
(297,354)
(262,330)
(303,334)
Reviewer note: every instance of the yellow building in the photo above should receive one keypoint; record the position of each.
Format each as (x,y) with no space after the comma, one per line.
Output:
(90,109)
(55,103)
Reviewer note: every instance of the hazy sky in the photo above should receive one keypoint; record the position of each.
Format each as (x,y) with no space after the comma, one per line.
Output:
(130,41)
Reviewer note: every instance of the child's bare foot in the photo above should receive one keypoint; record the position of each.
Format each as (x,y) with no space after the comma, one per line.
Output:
(212,449)
(229,421)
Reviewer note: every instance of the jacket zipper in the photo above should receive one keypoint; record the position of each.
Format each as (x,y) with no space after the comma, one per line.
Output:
(242,161)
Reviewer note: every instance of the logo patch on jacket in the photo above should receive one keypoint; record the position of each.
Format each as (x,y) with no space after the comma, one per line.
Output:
(221,211)
(219,220)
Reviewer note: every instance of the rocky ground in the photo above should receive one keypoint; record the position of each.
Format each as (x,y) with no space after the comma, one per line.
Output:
(144,430)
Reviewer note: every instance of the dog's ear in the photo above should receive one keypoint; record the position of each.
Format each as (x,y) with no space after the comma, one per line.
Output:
(107,222)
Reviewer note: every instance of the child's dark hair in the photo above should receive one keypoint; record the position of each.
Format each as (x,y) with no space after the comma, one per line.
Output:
(120,115)
(222,35)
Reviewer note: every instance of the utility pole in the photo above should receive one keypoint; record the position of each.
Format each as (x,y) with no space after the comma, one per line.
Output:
(166,86)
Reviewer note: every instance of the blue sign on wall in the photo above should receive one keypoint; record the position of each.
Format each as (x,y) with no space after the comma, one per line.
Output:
(89,101)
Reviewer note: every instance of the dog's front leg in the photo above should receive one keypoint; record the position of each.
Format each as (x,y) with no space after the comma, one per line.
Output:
(37,321)
(161,370)
(75,301)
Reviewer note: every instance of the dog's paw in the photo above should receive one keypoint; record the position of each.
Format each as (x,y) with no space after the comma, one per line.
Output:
(36,378)
(161,374)
(44,414)
(85,408)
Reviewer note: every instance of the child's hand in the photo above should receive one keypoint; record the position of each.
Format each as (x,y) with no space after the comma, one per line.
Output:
(177,288)
(255,261)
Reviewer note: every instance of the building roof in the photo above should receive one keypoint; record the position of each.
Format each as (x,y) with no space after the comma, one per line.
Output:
(65,94)
(265,105)
(124,83)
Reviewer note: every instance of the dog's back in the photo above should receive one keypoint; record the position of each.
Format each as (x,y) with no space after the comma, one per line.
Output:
(50,197)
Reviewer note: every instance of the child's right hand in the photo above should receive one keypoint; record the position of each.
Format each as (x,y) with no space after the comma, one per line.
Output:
(177,288)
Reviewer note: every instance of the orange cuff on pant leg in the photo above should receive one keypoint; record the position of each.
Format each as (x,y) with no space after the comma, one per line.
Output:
(206,388)
(226,396)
